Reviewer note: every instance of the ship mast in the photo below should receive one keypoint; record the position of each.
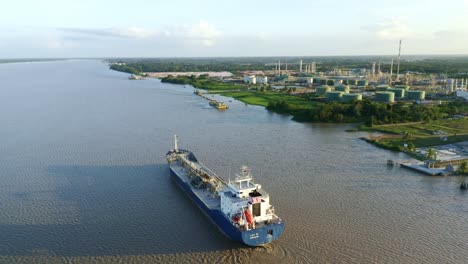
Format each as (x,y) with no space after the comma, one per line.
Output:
(176,147)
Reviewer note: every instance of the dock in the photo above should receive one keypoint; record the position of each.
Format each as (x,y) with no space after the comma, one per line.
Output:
(420,167)
(216,104)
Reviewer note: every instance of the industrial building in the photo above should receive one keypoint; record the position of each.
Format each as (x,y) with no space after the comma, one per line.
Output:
(262,79)
(250,79)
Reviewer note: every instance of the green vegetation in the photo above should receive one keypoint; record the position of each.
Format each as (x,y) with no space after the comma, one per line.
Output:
(291,103)
(189,65)
(420,134)
(454,66)
(370,113)
(304,110)
(203,82)
(462,173)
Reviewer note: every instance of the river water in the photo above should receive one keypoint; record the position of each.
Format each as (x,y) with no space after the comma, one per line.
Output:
(83,178)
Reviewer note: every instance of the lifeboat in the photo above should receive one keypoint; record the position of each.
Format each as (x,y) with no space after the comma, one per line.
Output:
(249,217)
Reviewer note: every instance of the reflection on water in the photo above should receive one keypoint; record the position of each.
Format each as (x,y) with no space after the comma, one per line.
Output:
(83,178)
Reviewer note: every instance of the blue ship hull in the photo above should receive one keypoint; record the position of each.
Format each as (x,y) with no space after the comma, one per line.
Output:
(253,237)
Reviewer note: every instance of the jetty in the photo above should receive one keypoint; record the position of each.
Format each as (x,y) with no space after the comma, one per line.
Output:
(421,167)
(216,104)
(428,167)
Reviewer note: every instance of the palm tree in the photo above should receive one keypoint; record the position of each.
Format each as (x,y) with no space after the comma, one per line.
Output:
(431,154)
(462,172)
(407,136)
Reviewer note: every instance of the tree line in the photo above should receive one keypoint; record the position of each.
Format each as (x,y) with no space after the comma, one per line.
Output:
(371,113)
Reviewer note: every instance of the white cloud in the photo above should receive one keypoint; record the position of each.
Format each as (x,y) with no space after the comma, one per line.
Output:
(390,29)
(134,32)
(263,35)
(201,32)
(58,43)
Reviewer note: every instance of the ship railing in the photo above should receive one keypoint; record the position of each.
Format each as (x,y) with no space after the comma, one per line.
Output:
(211,173)
(202,168)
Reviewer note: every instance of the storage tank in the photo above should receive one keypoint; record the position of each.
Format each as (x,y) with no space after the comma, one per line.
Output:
(399,92)
(382,87)
(334,96)
(415,95)
(386,97)
(322,90)
(362,83)
(406,87)
(350,97)
(342,88)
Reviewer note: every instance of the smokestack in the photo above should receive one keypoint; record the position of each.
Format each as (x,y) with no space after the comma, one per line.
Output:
(398,67)
(279,67)
(300,66)
(378,68)
(286,65)
(391,69)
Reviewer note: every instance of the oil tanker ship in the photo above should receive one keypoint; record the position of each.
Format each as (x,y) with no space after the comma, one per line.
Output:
(240,208)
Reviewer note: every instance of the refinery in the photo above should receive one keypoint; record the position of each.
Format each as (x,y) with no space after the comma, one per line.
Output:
(381,81)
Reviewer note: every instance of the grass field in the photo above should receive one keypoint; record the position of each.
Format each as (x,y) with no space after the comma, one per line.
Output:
(422,134)
(263,98)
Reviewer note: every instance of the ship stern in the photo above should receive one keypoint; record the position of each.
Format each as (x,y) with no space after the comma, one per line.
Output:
(262,236)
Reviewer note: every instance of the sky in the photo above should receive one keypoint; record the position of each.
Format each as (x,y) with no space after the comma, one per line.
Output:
(210,28)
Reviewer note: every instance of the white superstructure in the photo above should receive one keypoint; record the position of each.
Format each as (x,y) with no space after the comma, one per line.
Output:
(243,197)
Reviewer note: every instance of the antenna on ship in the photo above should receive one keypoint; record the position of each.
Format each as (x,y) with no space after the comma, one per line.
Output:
(176,148)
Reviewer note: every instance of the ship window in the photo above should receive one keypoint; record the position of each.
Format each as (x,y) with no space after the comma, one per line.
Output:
(256,209)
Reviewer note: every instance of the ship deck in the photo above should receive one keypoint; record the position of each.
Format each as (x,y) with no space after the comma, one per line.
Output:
(207,197)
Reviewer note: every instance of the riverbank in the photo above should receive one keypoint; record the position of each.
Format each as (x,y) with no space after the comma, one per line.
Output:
(409,137)
(305,107)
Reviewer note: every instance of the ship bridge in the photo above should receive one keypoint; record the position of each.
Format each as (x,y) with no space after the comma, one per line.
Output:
(243,186)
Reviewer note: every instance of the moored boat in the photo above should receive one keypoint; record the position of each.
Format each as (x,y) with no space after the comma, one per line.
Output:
(218,105)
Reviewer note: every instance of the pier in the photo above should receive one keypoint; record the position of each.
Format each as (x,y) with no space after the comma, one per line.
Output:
(433,168)
(216,104)
(429,171)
